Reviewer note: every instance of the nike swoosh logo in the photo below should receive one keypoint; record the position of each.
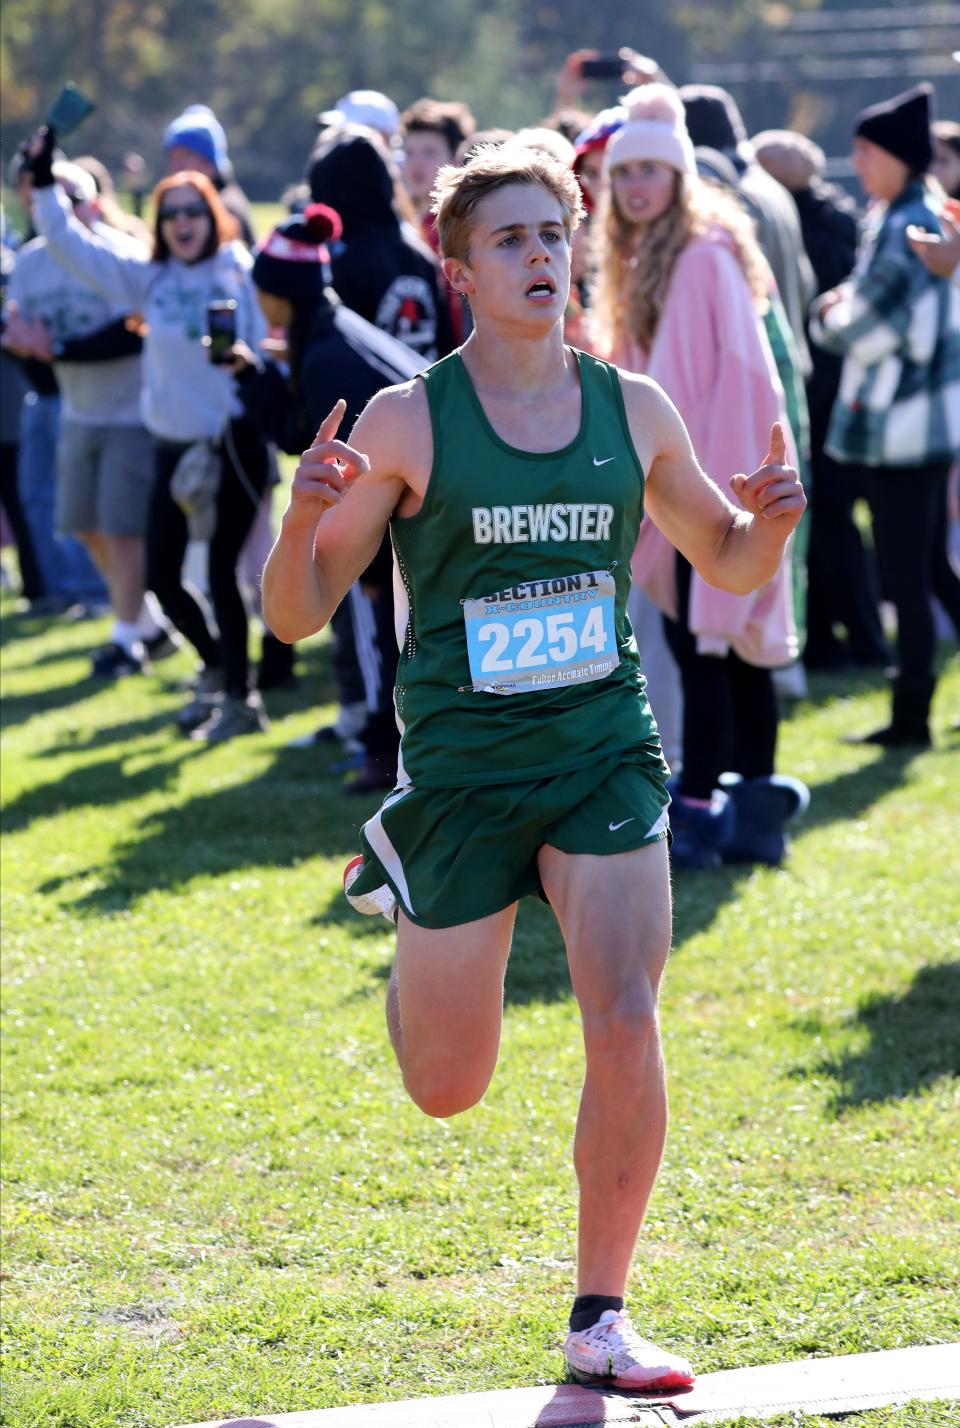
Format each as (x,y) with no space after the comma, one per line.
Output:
(614,826)
(604,461)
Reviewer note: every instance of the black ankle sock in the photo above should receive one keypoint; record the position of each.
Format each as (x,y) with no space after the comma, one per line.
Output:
(587,1309)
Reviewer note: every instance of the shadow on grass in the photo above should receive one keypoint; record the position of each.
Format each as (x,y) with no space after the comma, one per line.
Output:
(849,794)
(73,652)
(286,814)
(699,896)
(93,785)
(824,689)
(21,624)
(912,1042)
(123,733)
(536,971)
(18,708)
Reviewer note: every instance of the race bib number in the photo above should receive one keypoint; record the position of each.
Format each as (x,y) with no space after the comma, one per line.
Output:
(543,634)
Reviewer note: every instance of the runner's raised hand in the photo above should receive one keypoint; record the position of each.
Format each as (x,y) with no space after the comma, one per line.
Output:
(326,470)
(773,491)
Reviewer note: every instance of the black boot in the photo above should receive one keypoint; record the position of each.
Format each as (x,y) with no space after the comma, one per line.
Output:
(276,669)
(910,726)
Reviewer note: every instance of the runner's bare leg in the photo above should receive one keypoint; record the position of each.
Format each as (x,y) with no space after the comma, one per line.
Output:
(445,1026)
(614,912)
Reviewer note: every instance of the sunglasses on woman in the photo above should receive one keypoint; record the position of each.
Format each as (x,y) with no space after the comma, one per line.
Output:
(185,210)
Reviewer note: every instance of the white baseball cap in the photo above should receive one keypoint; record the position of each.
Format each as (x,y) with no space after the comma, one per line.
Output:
(367,107)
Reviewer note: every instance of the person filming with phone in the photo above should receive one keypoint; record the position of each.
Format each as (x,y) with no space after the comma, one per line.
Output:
(197,298)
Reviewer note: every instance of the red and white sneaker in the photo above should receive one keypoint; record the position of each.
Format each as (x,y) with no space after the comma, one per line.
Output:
(368,901)
(611,1352)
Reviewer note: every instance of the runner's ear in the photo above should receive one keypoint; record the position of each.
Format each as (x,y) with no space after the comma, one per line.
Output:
(457,274)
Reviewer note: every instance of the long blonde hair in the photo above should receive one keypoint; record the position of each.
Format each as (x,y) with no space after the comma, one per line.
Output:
(634,264)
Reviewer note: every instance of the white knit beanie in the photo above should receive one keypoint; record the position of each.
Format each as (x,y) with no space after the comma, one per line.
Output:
(655,129)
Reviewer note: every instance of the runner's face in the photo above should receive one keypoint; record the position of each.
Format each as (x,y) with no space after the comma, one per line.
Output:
(423,154)
(518,270)
(188,226)
(643,189)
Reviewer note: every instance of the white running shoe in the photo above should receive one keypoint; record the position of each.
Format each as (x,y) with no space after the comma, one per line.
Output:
(378,900)
(611,1352)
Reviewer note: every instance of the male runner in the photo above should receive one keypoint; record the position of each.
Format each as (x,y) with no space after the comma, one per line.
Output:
(513,475)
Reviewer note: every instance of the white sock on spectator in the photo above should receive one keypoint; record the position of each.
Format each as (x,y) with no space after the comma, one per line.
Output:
(127,636)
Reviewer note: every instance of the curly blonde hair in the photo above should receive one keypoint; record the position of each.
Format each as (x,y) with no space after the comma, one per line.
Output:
(634,264)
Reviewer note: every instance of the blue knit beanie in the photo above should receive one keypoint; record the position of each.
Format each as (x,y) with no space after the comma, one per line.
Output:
(199,130)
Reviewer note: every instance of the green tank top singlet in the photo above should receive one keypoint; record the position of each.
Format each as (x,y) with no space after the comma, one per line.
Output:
(533,535)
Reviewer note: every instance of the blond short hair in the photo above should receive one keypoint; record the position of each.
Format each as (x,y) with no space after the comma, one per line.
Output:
(458,190)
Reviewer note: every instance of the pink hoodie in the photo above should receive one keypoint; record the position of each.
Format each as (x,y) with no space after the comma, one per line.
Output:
(712,358)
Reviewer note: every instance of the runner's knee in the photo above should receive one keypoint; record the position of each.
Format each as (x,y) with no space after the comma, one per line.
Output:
(621,1029)
(442,1091)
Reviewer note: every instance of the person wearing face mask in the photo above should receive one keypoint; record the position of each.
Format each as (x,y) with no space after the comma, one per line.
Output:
(185,400)
(681,291)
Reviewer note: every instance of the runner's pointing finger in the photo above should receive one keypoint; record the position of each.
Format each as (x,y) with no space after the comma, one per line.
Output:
(777,454)
(331,423)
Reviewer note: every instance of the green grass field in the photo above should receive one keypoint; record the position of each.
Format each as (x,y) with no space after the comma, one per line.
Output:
(217,1199)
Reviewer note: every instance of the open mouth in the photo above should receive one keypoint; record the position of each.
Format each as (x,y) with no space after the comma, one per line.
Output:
(541,288)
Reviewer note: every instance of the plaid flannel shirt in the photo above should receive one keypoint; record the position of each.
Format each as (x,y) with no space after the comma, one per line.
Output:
(898,327)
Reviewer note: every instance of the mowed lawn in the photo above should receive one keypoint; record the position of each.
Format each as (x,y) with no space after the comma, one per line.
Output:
(217,1198)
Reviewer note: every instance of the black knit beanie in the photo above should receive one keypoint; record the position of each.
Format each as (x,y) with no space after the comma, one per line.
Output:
(292,261)
(901,125)
(713,119)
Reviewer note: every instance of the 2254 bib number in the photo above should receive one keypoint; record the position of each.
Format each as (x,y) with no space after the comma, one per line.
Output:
(543,634)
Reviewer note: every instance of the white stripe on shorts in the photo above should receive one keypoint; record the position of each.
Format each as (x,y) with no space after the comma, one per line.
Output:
(379,841)
(662,822)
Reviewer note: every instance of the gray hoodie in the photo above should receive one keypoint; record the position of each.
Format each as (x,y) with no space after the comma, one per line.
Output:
(185,398)
(94,393)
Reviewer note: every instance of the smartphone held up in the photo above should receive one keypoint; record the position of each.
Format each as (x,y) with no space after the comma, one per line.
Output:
(221,330)
(623,64)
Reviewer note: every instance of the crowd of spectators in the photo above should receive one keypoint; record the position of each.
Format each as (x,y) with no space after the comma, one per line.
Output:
(152,371)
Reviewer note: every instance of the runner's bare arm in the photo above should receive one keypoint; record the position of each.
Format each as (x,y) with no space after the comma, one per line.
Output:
(337,513)
(732,548)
